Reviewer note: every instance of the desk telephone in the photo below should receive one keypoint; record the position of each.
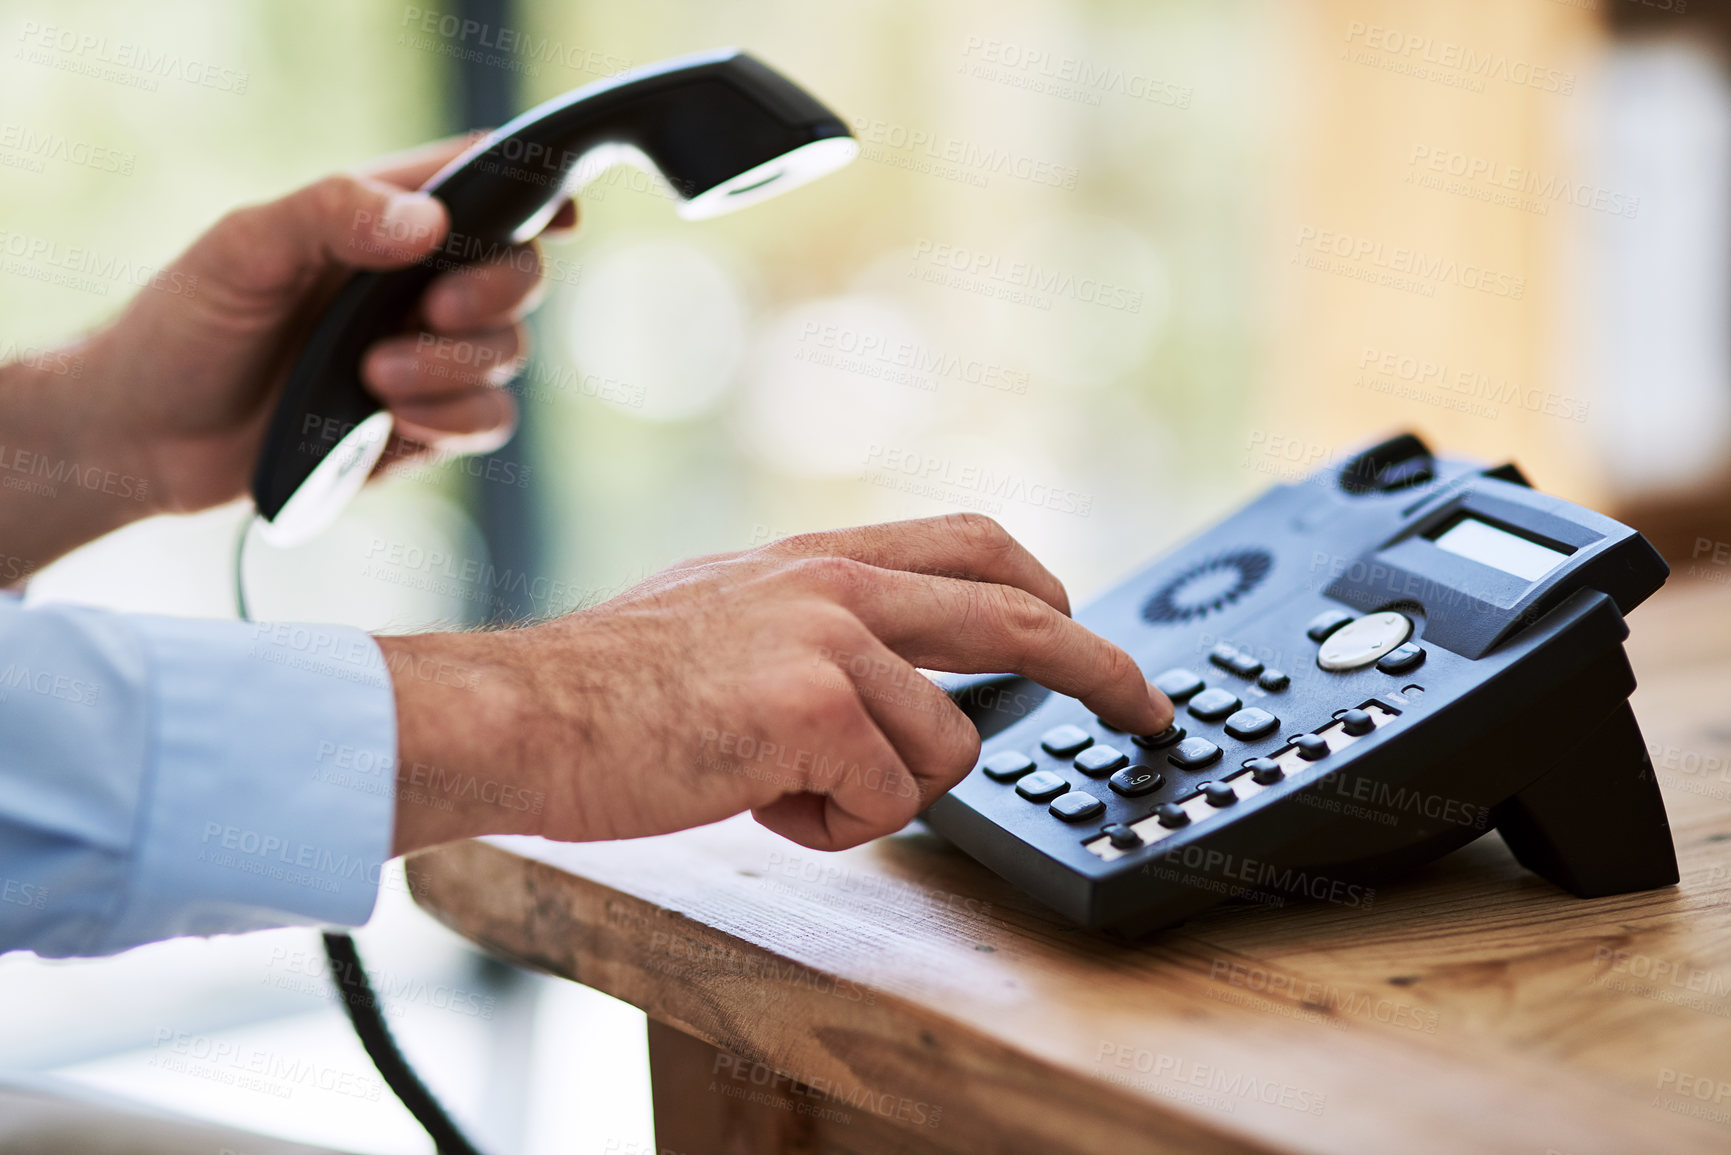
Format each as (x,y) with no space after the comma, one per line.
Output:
(1371,667)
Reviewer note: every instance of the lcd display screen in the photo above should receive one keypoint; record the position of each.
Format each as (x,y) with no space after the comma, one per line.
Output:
(1498,548)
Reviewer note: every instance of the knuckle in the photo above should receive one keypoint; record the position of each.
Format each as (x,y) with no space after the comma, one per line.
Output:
(980,531)
(1119,665)
(1022,615)
(333,195)
(831,573)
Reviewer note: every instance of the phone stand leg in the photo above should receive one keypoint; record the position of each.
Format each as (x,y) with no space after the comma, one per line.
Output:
(1595,824)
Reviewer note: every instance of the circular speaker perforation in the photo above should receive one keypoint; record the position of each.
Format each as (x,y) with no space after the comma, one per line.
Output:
(1208,587)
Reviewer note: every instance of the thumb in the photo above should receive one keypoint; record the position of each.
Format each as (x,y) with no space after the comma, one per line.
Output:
(342,221)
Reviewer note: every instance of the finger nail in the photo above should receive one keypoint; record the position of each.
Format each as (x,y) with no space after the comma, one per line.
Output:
(412,217)
(1163,707)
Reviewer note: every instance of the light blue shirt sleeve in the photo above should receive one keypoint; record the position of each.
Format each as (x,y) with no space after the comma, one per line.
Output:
(164,777)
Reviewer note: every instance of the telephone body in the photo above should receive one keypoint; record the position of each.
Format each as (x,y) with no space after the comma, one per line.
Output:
(1370,667)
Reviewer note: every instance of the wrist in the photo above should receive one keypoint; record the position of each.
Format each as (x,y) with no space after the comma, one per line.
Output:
(463,713)
(68,477)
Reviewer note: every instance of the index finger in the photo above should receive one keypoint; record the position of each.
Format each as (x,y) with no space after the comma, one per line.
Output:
(957,545)
(970,627)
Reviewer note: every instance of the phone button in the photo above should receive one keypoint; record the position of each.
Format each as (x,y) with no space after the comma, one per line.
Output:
(1166,737)
(1402,658)
(1171,816)
(1273,681)
(1311,747)
(1194,754)
(1099,761)
(1213,705)
(1122,837)
(1135,781)
(1265,771)
(1178,684)
(1251,723)
(1076,806)
(1065,740)
(1007,765)
(1325,623)
(1219,794)
(1245,665)
(1365,641)
(1041,786)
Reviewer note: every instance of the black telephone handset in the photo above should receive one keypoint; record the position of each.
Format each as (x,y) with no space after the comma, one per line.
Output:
(1371,667)
(723,130)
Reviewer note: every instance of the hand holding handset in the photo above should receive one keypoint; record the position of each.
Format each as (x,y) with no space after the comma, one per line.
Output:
(722,129)
(1371,667)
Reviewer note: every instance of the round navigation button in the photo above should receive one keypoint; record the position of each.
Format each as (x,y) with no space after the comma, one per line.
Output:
(1360,643)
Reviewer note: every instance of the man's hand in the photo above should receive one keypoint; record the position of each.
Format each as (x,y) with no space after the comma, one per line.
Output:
(780,680)
(174,396)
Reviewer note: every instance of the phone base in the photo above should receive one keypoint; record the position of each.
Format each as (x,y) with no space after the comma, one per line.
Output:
(1595,823)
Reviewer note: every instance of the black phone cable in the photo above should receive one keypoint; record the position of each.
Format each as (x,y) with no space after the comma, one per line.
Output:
(356,988)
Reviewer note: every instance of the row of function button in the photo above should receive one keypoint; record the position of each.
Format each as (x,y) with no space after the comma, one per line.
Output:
(1134,781)
(1351,643)
(1247,665)
(1257,774)
(1219,795)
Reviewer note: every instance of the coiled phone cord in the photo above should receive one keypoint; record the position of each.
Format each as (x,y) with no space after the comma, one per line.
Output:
(359,1000)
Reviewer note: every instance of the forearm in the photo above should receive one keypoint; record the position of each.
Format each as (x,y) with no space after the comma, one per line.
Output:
(65,479)
(466,765)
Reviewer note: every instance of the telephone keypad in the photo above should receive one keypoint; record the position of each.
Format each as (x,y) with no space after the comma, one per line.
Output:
(1178,683)
(1194,754)
(1213,705)
(1076,806)
(1007,765)
(1099,761)
(1135,781)
(1251,723)
(1167,737)
(1041,786)
(1065,740)
(1245,665)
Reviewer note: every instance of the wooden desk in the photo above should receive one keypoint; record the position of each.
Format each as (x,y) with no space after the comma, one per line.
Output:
(927,1007)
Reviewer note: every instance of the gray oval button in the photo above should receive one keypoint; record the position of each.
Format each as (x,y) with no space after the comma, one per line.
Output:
(1362,642)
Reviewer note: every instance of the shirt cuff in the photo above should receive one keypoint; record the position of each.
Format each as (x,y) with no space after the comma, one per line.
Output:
(271,792)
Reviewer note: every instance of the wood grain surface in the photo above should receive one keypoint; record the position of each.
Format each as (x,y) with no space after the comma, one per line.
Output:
(900,989)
